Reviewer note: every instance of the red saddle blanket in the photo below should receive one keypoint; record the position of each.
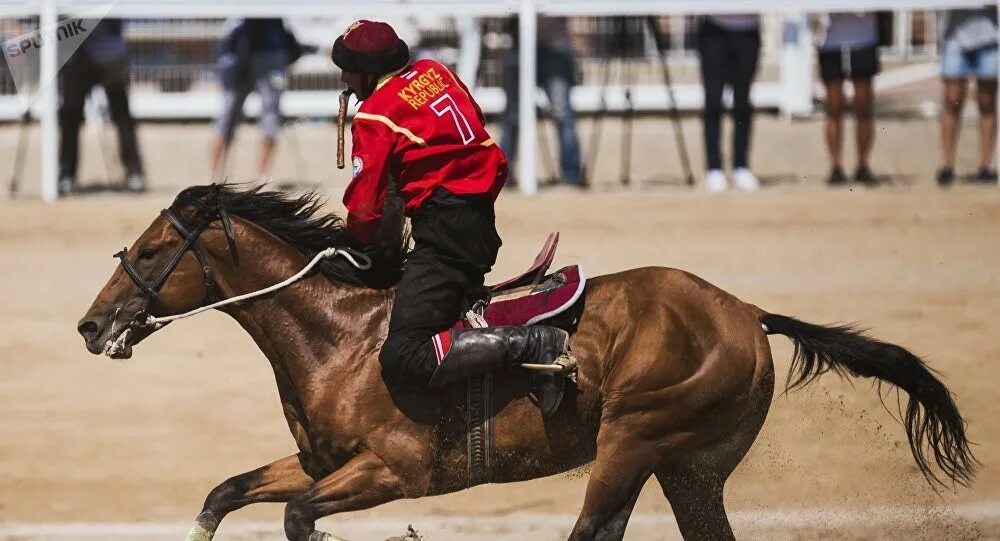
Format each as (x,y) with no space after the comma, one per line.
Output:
(534,296)
(528,305)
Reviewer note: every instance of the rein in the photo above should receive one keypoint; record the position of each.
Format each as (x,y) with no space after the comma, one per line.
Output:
(213,297)
(365,264)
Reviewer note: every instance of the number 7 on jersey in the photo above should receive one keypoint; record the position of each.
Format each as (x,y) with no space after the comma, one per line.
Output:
(446,104)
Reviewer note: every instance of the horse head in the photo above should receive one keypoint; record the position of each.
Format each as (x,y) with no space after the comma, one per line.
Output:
(167,270)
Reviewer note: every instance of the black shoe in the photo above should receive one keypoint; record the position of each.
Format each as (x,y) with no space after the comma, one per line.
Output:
(865,176)
(945,177)
(985,175)
(837,177)
(477,351)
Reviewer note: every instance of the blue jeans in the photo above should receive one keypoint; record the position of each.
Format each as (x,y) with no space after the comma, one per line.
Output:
(556,68)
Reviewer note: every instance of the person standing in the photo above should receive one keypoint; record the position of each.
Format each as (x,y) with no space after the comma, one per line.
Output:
(255,56)
(848,50)
(969,49)
(102,59)
(728,46)
(556,75)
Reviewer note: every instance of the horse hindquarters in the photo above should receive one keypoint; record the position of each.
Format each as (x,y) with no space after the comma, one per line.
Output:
(684,394)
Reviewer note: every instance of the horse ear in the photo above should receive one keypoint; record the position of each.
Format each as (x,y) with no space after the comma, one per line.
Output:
(213,194)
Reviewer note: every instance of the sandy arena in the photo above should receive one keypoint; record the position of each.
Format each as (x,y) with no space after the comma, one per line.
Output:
(98,449)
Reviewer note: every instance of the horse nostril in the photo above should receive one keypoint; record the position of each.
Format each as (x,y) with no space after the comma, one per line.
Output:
(88,329)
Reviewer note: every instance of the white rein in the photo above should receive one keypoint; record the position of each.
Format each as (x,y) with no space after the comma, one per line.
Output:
(365,264)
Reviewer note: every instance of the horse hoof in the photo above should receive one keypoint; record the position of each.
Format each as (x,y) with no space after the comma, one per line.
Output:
(323,536)
(204,527)
(199,533)
(411,535)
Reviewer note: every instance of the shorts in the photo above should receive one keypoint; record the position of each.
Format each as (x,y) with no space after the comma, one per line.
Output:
(848,64)
(959,64)
(266,74)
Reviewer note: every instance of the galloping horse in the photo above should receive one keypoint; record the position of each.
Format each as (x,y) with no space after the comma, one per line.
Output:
(674,375)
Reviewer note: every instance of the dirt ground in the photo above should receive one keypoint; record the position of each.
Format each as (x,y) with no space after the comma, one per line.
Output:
(97,449)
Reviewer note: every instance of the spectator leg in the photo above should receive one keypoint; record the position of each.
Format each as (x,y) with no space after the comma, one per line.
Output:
(951,109)
(116,87)
(267,146)
(864,99)
(509,120)
(558,90)
(225,128)
(76,82)
(270,85)
(986,98)
(745,54)
(712,50)
(834,121)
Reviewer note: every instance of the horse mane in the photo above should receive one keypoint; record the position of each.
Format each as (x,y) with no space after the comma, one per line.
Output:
(300,221)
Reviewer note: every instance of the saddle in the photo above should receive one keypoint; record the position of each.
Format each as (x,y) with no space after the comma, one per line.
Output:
(533,297)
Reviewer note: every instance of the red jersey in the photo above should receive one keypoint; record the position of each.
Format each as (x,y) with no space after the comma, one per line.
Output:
(422,128)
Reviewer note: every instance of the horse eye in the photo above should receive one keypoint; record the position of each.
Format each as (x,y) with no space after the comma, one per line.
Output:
(147,253)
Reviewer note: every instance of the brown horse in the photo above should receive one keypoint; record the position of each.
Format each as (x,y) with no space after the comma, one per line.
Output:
(675,375)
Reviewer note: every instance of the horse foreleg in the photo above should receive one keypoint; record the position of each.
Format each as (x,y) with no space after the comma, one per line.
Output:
(363,482)
(620,469)
(277,482)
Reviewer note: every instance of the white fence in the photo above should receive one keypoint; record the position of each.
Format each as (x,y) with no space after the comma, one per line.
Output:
(194,95)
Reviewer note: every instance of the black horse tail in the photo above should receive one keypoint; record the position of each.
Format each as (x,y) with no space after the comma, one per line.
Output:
(932,419)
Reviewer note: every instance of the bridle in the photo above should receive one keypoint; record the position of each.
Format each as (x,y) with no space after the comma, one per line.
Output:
(213,295)
(190,235)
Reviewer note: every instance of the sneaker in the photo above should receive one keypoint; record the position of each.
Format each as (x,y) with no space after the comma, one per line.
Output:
(865,176)
(946,177)
(135,183)
(715,181)
(745,180)
(67,185)
(837,177)
(985,175)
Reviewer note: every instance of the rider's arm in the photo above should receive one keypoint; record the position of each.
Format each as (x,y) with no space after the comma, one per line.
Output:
(372,147)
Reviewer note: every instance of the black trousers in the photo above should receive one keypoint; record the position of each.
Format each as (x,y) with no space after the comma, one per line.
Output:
(727,57)
(455,245)
(78,77)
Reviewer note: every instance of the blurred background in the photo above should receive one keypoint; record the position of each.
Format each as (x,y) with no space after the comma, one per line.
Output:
(627,125)
(816,160)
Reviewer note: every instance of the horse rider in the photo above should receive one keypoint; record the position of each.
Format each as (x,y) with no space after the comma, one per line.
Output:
(419,126)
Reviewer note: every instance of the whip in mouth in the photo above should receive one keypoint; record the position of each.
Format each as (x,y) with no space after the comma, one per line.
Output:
(341,120)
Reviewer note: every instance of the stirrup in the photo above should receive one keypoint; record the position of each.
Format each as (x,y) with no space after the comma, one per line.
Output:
(565,365)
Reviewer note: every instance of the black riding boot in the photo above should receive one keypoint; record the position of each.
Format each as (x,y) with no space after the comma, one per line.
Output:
(477,351)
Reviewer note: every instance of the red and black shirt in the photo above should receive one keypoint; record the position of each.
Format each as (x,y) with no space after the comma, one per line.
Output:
(423,128)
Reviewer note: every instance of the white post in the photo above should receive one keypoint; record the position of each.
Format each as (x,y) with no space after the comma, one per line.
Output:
(48,102)
(469,49)
(527,122)
(901,39)
(796,66)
